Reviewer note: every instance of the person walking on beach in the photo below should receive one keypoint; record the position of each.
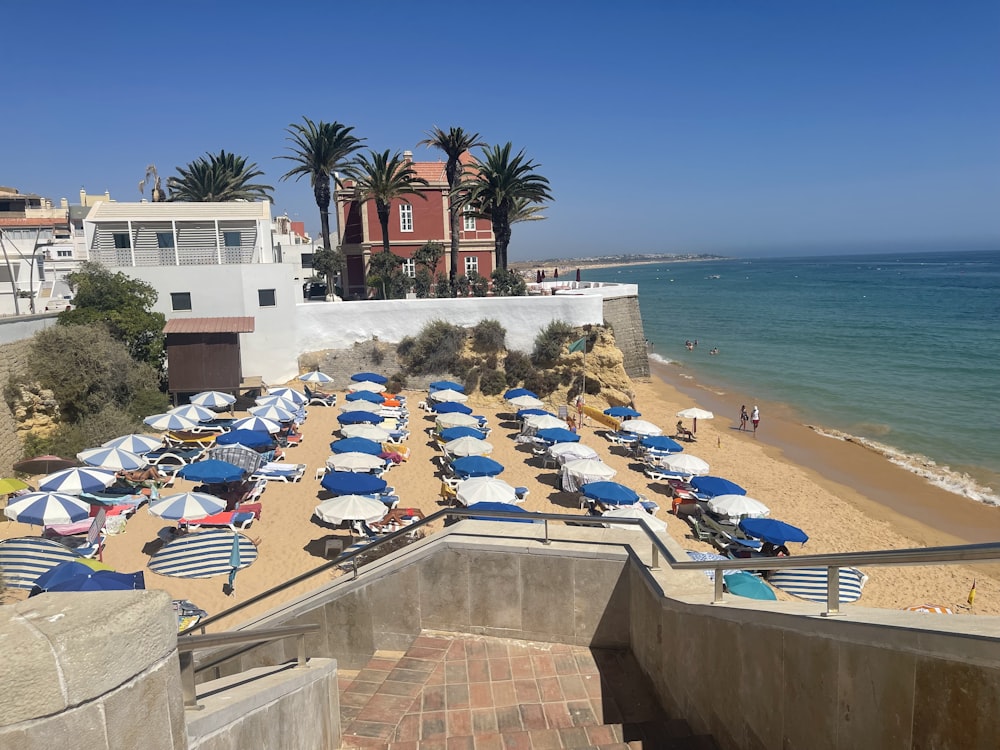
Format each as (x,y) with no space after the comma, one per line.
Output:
(755,419)
(744,418)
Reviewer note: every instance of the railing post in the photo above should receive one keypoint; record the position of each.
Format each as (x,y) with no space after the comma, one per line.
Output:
(354,562)
(188,689)
(656,558)
(300,643)
(717,598)
(546,540)
(832,591)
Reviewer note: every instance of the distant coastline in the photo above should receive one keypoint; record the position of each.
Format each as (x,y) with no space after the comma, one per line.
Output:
(611,261)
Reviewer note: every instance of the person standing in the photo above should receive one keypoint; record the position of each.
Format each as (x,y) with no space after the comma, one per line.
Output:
(744,418)
(755,419)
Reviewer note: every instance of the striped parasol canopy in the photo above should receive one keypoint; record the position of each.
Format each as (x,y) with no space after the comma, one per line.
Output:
(24,559)
(203,554)
(316,377)
(189,505)
(137,444)
(289,394)
(213,399)
(47,508)
(273,412)
(810,583)
(112,458)
(257,423)
(170,422)
(77,480)
(194,412)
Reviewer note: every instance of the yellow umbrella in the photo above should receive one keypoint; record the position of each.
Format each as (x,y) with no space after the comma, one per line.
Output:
(95,564)
(11,485)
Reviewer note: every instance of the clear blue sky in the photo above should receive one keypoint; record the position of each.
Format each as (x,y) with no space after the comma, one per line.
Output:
(732,127)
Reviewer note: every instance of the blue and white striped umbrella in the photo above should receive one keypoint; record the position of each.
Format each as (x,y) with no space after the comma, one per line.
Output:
(47,508)
(187,505)
(137,444)
(272,412)
(170,422)
(257,423)
(112,458)
(24,559)
(289,394)
(194,412)
(203,554)
(279,401)
(75,481)
(316,377)
(213,399)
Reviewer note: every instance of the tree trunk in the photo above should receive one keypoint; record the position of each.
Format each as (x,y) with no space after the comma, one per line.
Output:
(501,232)
(321,191)
(383,219)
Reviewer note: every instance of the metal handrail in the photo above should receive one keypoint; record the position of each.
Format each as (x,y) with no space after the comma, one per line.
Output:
(188,644)
(832,561)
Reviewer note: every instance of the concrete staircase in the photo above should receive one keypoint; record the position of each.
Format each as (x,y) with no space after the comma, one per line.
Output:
(460,692)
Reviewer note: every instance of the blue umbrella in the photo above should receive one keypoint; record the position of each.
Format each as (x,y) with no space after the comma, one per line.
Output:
(357,417)
(773,531)
(741,583)
(661,443)
(713,486)
(101,580)
(450,407)
(622,411)
(370,377)
(356,445)
(444,385)
(454,433)
(476,466)
(351,483)
(61,572)
(371,398)
(557,435)
(522,413)
(490,506)
(515,392)
(610,493)
(211,471)
(249,438)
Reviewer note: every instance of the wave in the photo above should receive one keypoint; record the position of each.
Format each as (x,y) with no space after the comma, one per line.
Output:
(956,482)
(661,359)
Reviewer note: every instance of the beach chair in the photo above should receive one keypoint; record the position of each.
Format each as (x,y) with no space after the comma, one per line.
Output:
(275,472)
(232,519)
(320,399)
(172,458)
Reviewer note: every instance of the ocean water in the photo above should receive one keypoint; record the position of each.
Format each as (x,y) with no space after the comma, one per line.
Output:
(899,350)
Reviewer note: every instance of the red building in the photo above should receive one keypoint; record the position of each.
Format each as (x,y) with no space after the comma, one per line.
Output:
(413,221)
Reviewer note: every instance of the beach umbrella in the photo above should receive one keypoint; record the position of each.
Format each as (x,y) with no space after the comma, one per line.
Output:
(372,398)
(450,407)
(694,413)
(315,376)
(523,413)
(485,489)
(213,399)
(101,580)
(202,554)
(564,452)
(280,401)
(366,385)
(170,422)
(211,471)
(351,483)
(454,433)
(289,394)
(622,412)
(366,431)
(526,401)
(234,563)
(357,417)
(24,559)
(712,486)
(43,465)
(239,455)
(557,435)
(64,571)
(661,443)
(707,557)
(640,427)
(137,444)
(737,506)
(468,446)
(11,485)
(448,395)
(811,583)
(929,609)
(544,422)
(194,412)
(355,461)
(356,445)
(476,466)
(773,531)
(369,406)
(589,467)
(742,583)
(446,385)
(369,377)
(505,507)
(685,463)
(47,508)
(187,505)
(350,508)
(112,458)
(273,412)
(610,493)
(77,480)
(638,512)
(456,420)
(515,392)
(249,438)
(258,424)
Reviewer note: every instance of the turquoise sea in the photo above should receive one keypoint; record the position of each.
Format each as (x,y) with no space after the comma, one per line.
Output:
(901,350)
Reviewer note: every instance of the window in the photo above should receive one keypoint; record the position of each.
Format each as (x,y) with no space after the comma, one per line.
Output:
(406,218)
(64,253)
(307,260)
(180,300)
(265,297)
(409,267)
(470,220)
(471,265)
(165,240)
(122,240)
(231,239)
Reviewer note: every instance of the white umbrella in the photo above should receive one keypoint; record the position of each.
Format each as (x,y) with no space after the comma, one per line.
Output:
(350,508)
(738,506)
(112,458)
(685,463)
(544,422)
(213,399)
(367,431)
(526,402)
(485,489)
(456,420)
(640,427)
(47,508)
(355,462)
(366,385)
(468,446)
(272,412)
(194,412)
(138,444)
(170,422)
(577,473)
(316,377)
(448,395)
(634,511)
(289,394)
(361,406)
(187,505)
(695,413)
(573,450)
(257,424)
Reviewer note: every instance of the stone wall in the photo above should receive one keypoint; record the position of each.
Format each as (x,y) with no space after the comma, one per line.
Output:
(13,359)
(622,314)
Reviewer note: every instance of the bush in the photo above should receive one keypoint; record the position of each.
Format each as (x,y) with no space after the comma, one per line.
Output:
(471,379)
(549,342)
(492,382)
(489,336)
(436,349)
(462,286)
(422,284)
(517,367)
(542,382)
(442,288)
(480,284)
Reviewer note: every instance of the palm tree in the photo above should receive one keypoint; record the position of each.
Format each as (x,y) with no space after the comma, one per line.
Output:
(320,150)
(152,177)
(218,177)
(501,188)
(383,178)
(454,143)
(525,211)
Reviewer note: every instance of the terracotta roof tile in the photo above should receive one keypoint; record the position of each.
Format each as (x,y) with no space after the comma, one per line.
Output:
(209,325)
(19,221)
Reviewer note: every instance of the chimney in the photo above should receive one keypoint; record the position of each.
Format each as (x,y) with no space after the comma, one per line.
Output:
(63,203)
(407,156)
(83,197)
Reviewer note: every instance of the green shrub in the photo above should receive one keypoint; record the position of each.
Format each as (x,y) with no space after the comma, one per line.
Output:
(542,382)
(508,283)
(492,382)
(517,367)
(442,288)
(489,336)
(436,349)
(549,342)
(462,286)
(422,284)
(480,284)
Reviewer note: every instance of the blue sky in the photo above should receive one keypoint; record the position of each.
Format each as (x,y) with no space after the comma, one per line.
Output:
(731,127)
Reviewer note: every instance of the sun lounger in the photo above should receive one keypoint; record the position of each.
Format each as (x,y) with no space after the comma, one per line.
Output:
(233,519)
(190,438)
(320,399)
(216,425)
(277,472)
(174,457)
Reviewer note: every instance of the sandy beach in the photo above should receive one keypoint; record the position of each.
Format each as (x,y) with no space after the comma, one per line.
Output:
(866,504)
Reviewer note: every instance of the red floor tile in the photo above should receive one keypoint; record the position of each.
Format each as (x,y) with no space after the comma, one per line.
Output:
(484,720)
(459,722)
(543,665)
(504,693)
(499,669)
(479,670)
(520,668)
(480,695)
(527,691)
(549,689)
(433,724)
(408,728)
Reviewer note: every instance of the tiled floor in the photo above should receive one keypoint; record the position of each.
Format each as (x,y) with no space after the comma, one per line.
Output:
(448,686)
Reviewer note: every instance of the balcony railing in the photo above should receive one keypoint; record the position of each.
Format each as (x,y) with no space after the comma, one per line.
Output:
(181,256)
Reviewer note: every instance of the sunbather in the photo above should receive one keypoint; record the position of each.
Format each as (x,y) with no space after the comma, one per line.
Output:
(149,474)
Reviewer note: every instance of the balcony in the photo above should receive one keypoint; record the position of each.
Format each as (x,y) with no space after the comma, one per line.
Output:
(181,256)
